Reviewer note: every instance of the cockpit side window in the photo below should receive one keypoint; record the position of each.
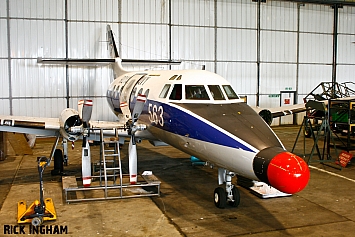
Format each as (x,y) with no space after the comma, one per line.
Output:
(196,92)
(230,92)
(164,91)
(176,93)
(216,92)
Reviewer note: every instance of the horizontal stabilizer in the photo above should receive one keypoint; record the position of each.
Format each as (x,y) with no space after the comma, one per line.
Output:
(104,62)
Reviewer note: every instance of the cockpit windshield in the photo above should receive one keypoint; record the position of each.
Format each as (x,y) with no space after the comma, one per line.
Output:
(230,92)
(196,92)
(216,92)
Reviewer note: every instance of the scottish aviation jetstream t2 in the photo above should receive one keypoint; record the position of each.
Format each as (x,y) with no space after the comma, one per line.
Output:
(199,113)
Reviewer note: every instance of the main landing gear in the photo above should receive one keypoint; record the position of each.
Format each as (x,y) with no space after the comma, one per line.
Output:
(230,194)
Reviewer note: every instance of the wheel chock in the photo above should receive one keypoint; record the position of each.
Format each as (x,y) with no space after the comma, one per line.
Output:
(34,214)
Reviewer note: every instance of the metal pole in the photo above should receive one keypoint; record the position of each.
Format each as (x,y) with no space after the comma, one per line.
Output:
(66,54)
(258,54)
(335,43)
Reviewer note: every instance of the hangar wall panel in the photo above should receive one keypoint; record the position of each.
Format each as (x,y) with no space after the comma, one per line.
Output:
(196,13)
(236,14)
(316,18)
(316,48)
(4,78)
(242,76)
(346,49)
(46,9)
(41,107)
(346,45)
(92,10)
(30,80)
(3,39)
(277,77)
(346,73)
(3,8)
(139,41)
(346,20)
(278,46)
(87,40)
(89,81)
(278,15)
(150,11)
(4,106)
(29,40)
(236,45)
(193,43)
(311,75)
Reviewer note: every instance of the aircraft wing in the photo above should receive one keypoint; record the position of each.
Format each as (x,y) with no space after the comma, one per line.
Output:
(30,125)
(48,126)
(270,113)
(297,108)
(287,110)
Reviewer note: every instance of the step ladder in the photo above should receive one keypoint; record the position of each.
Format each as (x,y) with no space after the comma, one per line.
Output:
(110,162)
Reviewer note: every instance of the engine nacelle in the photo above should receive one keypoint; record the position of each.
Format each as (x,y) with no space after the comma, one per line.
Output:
(266,115)
(70,124)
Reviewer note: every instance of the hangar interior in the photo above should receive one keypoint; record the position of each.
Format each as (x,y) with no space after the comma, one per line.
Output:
(262,48)
(274,53)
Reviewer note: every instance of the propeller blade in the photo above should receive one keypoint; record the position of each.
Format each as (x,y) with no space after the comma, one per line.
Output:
(132,149)
(132,160)
(86,163)
(138,107)
(125,109)
(85,110)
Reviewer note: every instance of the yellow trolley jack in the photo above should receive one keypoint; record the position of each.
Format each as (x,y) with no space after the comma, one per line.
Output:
(40,210)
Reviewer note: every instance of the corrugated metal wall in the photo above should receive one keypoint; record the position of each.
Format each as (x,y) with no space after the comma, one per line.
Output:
(294,50)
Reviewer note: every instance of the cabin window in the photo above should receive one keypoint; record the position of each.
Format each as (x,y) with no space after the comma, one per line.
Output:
(230,92)
(216,92)
(176,94)
(196,92)
(164,91)
(172,78)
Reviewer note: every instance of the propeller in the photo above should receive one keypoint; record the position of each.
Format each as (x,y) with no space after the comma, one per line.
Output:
(85,111)
(133,128)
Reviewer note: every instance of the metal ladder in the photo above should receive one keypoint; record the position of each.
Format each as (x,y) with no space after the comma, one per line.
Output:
(110,155)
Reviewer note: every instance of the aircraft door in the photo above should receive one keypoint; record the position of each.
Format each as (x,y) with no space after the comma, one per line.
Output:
(126,93)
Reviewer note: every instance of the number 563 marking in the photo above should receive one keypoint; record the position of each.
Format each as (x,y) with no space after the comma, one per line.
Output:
(156,114)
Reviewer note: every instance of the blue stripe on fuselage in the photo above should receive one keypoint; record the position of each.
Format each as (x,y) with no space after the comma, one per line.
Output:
(174,120)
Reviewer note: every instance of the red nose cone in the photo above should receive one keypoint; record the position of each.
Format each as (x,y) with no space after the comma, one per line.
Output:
(288,173)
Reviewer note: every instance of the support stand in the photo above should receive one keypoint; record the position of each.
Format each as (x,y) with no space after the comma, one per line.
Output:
(323,131)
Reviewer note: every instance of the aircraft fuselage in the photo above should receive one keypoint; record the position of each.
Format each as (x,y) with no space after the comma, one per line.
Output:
(199,113)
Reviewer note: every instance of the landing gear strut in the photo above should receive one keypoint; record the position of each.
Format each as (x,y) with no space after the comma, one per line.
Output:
(230,194)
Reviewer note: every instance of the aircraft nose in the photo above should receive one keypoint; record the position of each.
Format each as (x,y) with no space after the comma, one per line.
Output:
(282,170)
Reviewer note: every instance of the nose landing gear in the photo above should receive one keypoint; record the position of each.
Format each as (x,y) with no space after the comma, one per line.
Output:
(230,194)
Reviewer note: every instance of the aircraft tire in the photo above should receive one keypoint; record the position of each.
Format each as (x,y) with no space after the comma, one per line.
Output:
(307,132)
(58,162)
(220,197)
(236,197)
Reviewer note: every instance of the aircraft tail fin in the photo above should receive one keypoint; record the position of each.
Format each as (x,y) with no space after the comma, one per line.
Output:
(111,43)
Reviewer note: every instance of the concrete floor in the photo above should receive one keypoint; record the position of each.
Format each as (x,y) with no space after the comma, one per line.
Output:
(326,207)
